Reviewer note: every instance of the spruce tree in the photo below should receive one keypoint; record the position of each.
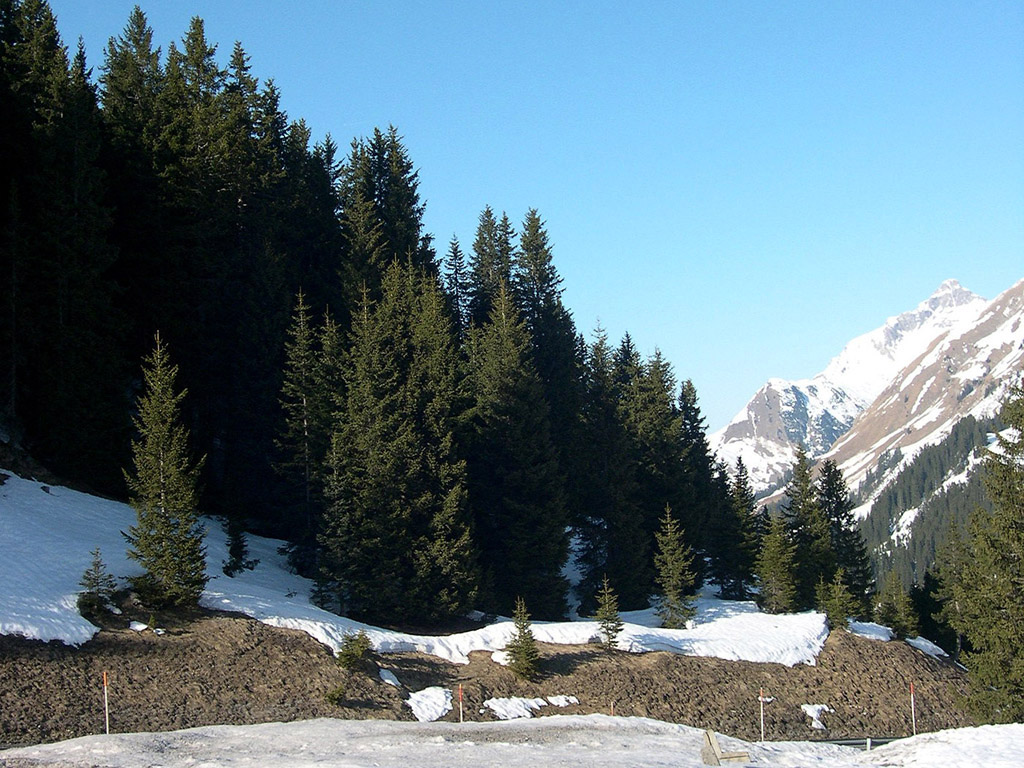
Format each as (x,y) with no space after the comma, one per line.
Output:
(515,484)
(985,596)
(848,544)
(613,539)
(167,540)
(523,656)
(97,584)
(835,600)
(894,608)
(397,536)
(673,562)
(774,569)
(607,615)
(809,532)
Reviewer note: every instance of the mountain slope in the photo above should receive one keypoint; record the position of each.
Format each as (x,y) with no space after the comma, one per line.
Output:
(965,371)
(816,412)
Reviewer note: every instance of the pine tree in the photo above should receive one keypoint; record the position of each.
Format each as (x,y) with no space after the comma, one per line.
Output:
(731,539)
(490,266)
(607,615)
(167,540)
(523,656)
(774,570)
(985,595)
(836,601)
(515,485)
(808,531)
(848,544)
(98,585)
(894,608)
(609,525)
(397,535)
(456,285)
(674,565)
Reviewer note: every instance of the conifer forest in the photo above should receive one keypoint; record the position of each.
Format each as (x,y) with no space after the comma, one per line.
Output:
(423,422)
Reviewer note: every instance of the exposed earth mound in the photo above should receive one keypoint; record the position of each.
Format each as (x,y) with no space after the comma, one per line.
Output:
(218,669)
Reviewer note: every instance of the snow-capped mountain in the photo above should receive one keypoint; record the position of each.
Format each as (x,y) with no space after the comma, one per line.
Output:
(964,371)
(816,412)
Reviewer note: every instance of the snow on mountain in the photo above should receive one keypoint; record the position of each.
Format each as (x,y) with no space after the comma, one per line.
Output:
(816,412)
(965,371)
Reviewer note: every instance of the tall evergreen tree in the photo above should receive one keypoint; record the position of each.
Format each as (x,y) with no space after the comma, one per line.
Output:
(490,265)
(986,582)
(456,283)
(612,536)
(851,553)
(808,531)
(894,608)
(675,577)
(731,539)
(774,569)
(514,479)
(167,540)
(607,615)
(397,538)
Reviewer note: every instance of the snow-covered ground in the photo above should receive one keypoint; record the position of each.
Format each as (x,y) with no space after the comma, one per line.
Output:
(48,532)
(595,741)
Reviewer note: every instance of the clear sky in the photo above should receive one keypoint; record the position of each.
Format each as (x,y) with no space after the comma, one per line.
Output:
(744,185)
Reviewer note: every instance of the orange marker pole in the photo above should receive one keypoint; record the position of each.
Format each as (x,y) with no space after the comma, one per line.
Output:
(913,709)
(106,703)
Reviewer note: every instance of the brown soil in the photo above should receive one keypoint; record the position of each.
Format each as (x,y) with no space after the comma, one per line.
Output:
(218,669)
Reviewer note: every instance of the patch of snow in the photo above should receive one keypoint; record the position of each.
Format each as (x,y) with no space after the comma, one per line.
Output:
(430,704)
(389,677)
(514,707)
(870,630)
(137,626)
(562,701)
(927,646)
(814,712)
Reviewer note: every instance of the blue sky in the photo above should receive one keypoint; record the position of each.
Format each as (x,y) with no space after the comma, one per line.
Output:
(744,185)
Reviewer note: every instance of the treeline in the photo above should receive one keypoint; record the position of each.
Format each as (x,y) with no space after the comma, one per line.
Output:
(429,432)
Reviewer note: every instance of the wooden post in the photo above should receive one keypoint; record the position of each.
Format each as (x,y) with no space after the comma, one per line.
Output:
(913,709)
(106,703)
(613,709)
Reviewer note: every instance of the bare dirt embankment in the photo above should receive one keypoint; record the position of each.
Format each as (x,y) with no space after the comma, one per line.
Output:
(231,670)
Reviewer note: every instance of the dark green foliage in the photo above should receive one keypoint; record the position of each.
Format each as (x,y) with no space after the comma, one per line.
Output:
(98,586)
(62,370)
(354,651)
(918,486)
(523,656)
(336,696)
(613,538)
(894,609)
(774,569)
(238,550)
(607,615)
(514,477)
(674,565)
(490,265)
(732,539)
(848,545)
(396,540)
(456,286)
(167,540)
(835,600)
(808,530)
(985,598)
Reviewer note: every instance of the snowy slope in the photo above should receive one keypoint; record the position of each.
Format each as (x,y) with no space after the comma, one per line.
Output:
(597,741)
(815,412)
(47,534)
(966,370)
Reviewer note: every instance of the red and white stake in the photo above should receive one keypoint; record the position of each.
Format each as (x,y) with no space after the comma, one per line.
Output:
(760,698)
(106,703)
(913,709)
